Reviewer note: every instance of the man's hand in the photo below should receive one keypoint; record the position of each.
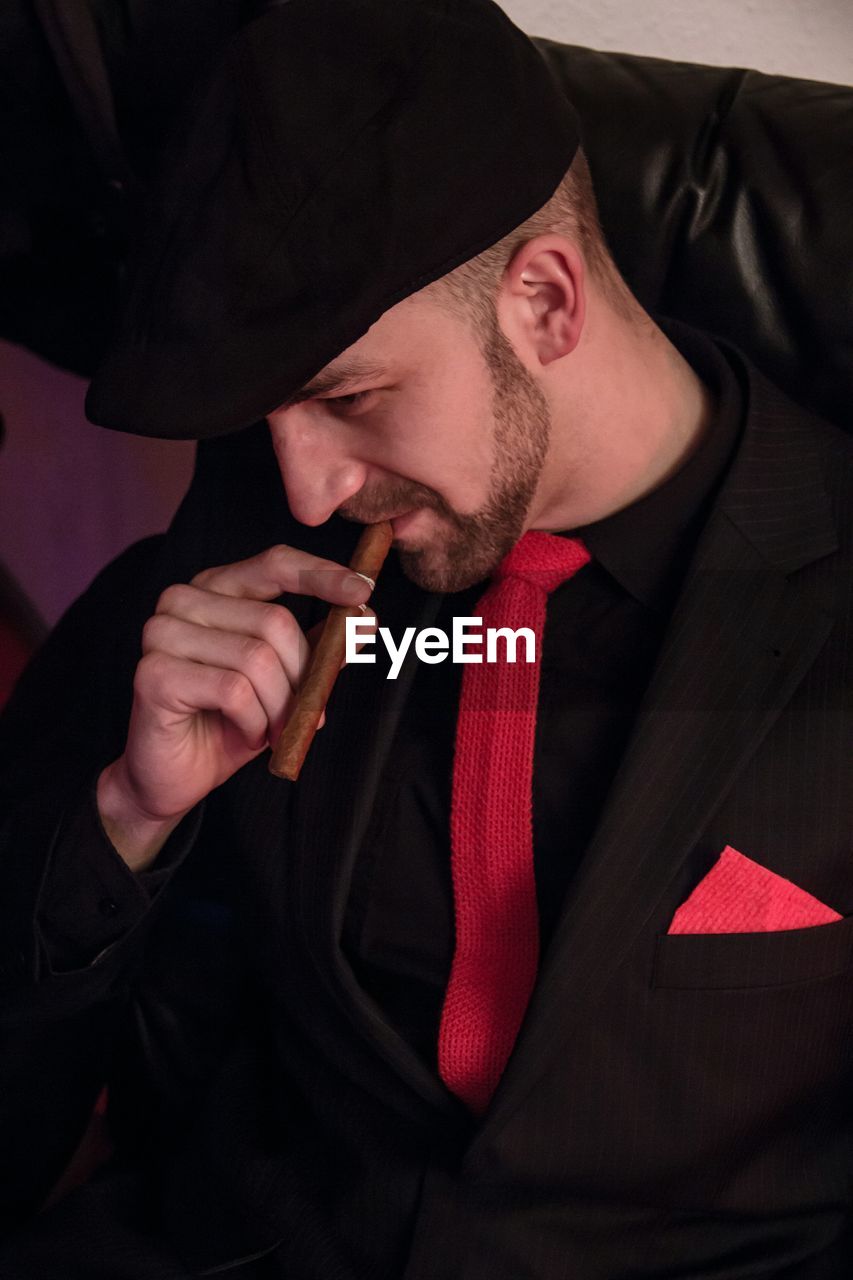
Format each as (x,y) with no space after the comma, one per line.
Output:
(213,689)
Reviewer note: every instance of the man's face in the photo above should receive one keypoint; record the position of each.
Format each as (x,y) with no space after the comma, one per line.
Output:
(443,433)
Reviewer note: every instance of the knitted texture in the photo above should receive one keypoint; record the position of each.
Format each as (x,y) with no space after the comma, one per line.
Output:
(738,895)
(494,889)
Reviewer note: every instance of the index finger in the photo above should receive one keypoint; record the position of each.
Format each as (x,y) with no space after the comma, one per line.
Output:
(282,568)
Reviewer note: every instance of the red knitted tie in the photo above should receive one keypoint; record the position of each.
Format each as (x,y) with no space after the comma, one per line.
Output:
(491,827)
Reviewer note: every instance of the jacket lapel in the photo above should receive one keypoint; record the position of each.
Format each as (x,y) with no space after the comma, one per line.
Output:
(742,637)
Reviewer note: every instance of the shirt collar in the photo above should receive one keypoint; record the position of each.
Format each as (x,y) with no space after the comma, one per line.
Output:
(646,547)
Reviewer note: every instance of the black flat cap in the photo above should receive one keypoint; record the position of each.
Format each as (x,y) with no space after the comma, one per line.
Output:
(344,154)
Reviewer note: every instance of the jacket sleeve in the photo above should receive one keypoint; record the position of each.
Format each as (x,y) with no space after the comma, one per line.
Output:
(73,919)
(90,898)
(147,997)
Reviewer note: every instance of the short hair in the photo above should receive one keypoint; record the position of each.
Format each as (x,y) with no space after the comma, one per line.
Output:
(470,289)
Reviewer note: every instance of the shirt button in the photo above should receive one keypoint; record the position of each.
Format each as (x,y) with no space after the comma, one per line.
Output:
(108,907)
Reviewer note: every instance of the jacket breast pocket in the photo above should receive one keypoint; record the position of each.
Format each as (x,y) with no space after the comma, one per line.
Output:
(716,961)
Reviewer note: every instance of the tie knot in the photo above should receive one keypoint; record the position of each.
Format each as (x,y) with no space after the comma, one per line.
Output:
(543,559)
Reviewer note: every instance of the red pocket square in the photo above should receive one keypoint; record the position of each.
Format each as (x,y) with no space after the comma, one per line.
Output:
(740,896)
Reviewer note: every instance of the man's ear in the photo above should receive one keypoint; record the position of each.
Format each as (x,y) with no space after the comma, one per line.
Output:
(541,302)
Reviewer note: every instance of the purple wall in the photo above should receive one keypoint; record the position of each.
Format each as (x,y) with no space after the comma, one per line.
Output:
(73,495)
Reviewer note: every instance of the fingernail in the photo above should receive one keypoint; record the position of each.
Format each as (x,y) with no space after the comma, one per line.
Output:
(353,584)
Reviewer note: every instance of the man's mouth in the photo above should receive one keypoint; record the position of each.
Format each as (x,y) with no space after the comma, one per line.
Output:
(400,523)
(399,520)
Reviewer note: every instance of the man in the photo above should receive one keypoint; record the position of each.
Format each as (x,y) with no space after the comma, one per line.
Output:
(266,975)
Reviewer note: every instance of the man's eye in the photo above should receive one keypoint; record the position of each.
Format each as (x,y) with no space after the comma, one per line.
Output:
(352,401)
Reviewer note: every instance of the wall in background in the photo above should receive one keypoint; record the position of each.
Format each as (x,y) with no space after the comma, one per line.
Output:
(73,495)
(809,38)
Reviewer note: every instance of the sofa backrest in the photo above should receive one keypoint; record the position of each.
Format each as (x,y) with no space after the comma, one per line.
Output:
(727,198)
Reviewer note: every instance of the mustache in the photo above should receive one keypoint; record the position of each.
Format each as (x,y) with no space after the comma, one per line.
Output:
(368,508)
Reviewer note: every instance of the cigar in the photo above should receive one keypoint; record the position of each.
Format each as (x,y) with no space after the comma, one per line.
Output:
(326,660)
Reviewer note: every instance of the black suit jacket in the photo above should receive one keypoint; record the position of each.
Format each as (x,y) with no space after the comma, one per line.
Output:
(676,1106)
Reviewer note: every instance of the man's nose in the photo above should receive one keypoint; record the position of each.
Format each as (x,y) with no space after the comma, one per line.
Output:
(317,471)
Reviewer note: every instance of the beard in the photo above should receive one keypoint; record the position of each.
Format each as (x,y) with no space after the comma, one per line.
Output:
(474,545)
